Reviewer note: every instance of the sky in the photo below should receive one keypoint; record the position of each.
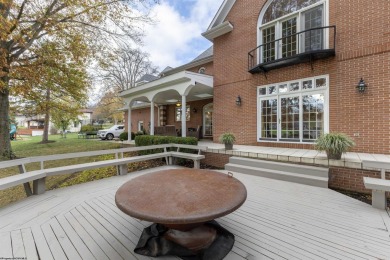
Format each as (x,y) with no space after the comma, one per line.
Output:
(175,38)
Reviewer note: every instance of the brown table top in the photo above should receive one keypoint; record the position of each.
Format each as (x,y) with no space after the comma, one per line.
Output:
(180,196)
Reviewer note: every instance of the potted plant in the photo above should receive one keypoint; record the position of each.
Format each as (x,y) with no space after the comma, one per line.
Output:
(334,144)
(228,139)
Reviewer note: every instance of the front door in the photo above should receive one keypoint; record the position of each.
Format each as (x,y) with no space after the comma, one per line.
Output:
(140,126)
(208,120)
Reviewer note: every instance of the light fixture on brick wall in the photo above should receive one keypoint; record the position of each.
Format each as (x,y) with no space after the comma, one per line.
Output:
(238,101)
(361,86)
(194,110)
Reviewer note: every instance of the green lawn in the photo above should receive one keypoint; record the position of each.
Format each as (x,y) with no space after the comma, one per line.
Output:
(31,146)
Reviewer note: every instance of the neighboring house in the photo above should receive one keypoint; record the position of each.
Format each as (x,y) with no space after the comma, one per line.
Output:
(84,118)
(34,125)
(279,74)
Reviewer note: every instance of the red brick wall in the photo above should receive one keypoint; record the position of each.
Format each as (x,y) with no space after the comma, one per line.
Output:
(351,179)
(142,114)
(216,160)
(362,50)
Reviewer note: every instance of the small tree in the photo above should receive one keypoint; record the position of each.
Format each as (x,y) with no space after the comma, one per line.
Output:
(83,26)
(62,121)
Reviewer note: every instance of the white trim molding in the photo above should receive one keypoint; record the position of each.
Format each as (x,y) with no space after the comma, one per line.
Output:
(218,30)
(223,11)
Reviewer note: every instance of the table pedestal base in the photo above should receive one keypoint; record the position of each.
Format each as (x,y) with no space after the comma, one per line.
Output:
(195,239)
(209,241)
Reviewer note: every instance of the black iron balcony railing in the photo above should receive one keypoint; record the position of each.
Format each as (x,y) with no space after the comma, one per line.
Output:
(308,45)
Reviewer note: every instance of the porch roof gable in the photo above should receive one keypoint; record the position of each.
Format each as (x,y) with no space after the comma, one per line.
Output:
(182,82)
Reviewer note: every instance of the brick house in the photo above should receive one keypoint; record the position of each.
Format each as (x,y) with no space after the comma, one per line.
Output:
(279,74)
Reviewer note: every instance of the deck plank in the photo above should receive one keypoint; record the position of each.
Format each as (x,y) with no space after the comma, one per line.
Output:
(17,244)
(133,224)
(89,242)
(74,238)
(64,241)
(371,234)
(99,239)
(118,231)
(260,238)
(6,245)
(41,243)
(125,227)
(29,244)
(53,243)
(265,232)
(103,228)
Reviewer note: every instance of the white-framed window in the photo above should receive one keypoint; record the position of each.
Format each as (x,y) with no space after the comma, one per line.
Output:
(202,70)
(284,19)
(178,113)
(293,111)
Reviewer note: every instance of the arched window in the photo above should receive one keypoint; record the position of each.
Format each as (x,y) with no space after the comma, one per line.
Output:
(284,19)
(202,70)
(278,9)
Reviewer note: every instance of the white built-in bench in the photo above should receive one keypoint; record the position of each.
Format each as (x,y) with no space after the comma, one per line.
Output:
(38,177)
(379,187)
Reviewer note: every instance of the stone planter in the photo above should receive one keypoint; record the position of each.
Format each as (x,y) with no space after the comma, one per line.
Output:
(333,156)
(228,146)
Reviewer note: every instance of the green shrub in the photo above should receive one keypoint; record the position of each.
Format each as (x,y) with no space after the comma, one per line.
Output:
(125,136)
(89,128)
(139,133)
(146,140)
(227,138)
(334,144)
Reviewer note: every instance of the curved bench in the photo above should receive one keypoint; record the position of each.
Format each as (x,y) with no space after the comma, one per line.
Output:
(39,176)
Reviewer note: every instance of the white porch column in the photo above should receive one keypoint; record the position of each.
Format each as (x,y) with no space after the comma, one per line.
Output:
(129,123)
(152,118)
(183,117)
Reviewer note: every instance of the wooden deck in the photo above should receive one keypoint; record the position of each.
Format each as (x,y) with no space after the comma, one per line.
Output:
(279,220)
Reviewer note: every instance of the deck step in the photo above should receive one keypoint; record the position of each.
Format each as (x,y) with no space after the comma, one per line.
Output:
(281,166)
(313,176)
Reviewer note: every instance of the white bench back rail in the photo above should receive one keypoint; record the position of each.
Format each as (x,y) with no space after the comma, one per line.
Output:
(38,176)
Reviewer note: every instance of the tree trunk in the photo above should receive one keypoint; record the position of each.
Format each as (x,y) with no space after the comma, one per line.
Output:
(5,143)
(45,137)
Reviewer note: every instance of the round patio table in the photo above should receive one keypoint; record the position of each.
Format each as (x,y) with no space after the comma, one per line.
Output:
(182,200)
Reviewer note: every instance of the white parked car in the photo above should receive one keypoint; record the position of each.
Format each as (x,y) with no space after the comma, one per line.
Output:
(111,133)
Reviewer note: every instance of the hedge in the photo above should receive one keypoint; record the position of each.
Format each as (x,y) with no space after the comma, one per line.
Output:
(146,140)
(89,128)
(125,136)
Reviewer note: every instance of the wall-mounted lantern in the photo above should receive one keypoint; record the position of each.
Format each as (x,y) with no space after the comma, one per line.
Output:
(238,101)
(361,86)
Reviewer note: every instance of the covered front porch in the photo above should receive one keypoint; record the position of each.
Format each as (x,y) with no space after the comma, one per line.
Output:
(182,100)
